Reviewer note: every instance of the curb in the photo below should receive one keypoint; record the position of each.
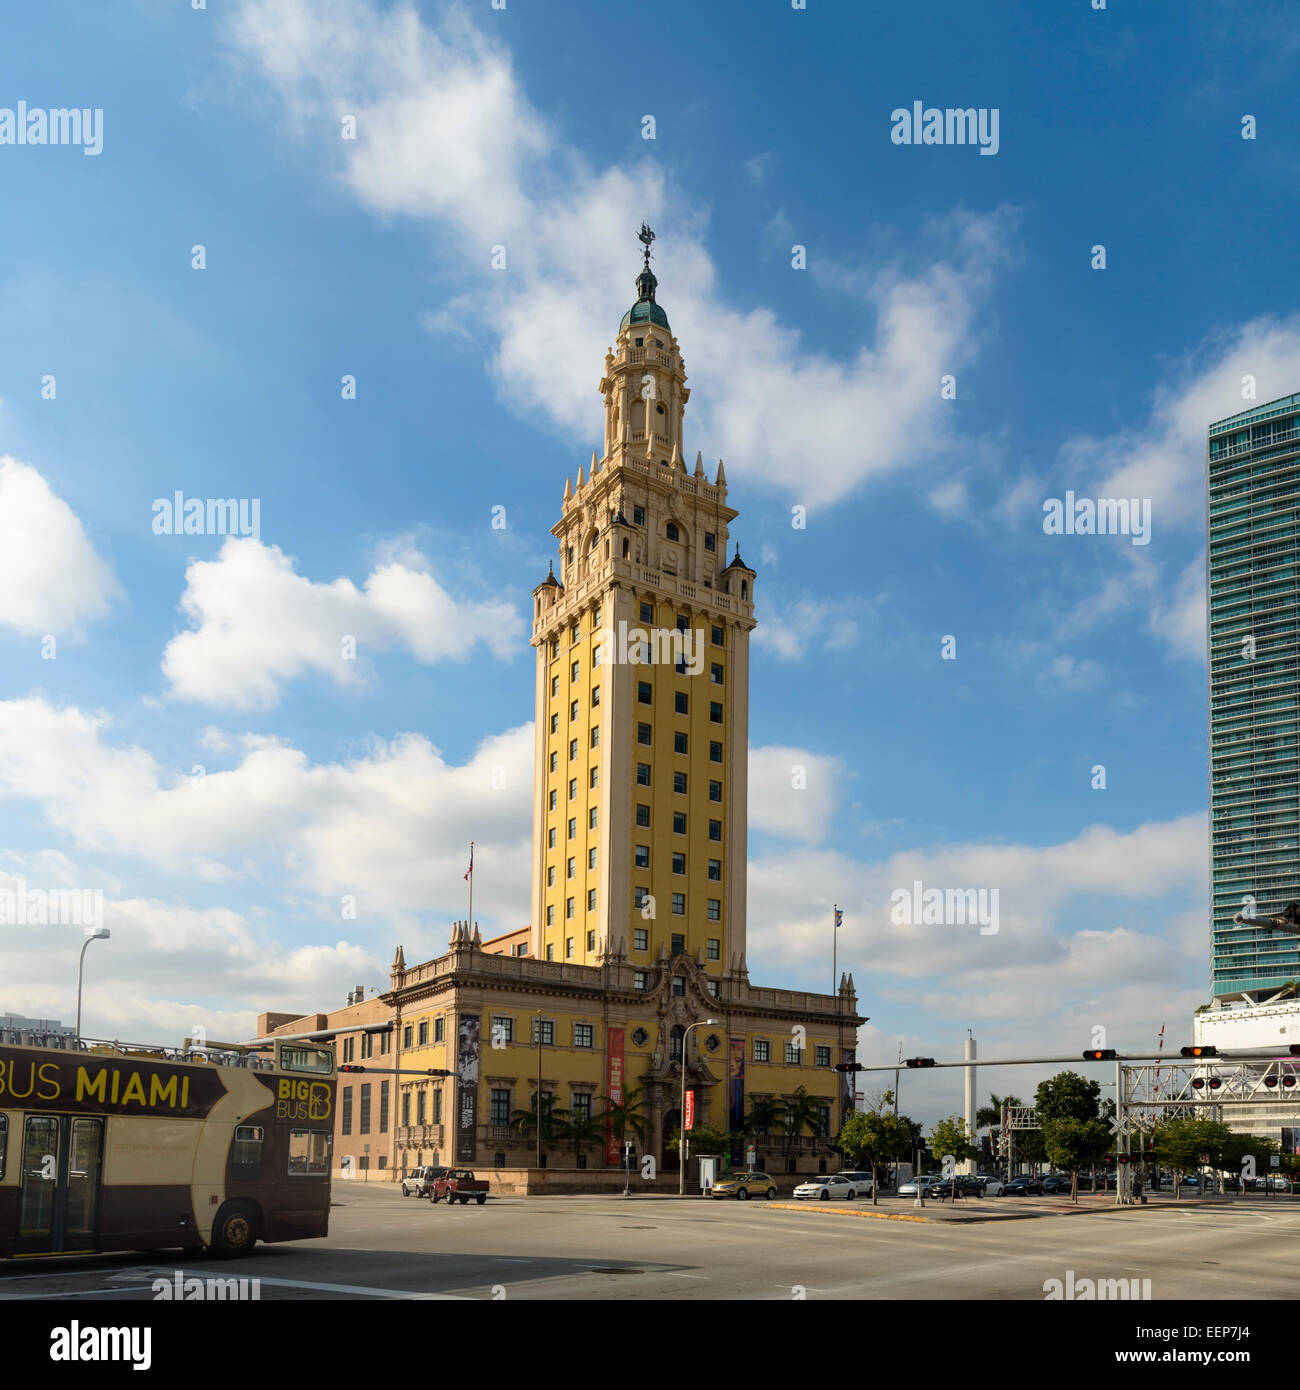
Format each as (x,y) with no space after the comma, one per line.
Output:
(828,1210)
(846,1210)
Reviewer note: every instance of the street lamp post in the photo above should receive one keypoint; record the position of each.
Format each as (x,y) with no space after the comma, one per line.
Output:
(92,934)
(681,1155)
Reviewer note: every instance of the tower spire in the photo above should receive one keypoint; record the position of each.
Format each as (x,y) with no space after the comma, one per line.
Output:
(646,284)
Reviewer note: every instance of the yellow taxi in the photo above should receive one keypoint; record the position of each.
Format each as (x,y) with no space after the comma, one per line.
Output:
(744,1185)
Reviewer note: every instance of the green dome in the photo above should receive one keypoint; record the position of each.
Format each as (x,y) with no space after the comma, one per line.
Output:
(644,311)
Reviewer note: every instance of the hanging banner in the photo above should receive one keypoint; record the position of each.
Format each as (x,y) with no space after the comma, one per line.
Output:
(613,1090)
(736,1080)
(689,1123)
(848,1097)
(467,1027)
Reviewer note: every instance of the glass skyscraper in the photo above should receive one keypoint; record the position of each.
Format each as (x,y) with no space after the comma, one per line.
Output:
(1253,564)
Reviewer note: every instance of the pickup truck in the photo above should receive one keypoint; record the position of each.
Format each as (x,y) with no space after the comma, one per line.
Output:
(457,1184)
(419,1181)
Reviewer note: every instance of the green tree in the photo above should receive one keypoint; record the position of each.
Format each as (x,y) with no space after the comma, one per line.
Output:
(990,1116)
(1073,1144)
(625,1116)
(764,1115)
(874,1137)
(1067,1096)
(555,1119)
(800,1111)
(583,1130)
(1245,1156)
(949,1137)
(1187,1144)
(704,1140)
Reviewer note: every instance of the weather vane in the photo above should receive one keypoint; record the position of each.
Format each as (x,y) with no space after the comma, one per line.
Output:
(645,236)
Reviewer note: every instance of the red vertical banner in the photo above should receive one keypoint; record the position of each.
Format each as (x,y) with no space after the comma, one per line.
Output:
(690,1111)
(613,1089)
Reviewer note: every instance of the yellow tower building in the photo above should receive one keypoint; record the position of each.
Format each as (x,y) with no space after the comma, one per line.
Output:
(630,983)
(642,685)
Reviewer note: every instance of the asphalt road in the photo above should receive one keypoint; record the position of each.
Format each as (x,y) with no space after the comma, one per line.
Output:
(384,1247)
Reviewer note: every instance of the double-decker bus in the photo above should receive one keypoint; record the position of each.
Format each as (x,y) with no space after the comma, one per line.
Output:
(106,1146)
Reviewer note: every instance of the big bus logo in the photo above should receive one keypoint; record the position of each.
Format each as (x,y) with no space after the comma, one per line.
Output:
(302,1100)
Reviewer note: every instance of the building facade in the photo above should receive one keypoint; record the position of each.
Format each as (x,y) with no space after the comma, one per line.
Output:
(1253,564)
(631,980)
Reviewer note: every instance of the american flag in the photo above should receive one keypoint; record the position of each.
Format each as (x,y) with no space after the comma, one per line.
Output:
(470,870)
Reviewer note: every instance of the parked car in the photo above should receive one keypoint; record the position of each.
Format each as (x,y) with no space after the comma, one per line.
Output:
(1056,1184)
(744,1185)
(863,1180)
(926,1181)
(993,1187)
(1023,1186)
(832,1185)
(458,1185)
(419,1180)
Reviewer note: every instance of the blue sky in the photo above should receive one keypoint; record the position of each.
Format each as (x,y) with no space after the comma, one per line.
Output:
(477,388)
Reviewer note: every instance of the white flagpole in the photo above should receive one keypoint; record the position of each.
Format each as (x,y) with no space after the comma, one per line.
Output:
(471,887)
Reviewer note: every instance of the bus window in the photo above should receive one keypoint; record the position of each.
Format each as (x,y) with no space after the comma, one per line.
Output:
(246,1154)
(4,1143)
(318,1059)
(309,1153)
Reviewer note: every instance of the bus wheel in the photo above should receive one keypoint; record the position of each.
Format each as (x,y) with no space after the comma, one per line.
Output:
(234,1232)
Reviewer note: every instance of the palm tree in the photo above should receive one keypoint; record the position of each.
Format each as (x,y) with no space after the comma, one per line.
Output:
(763,1114)
(990,1116)
(800,1111)
(626,1115)
(554,1119)
(584,1130)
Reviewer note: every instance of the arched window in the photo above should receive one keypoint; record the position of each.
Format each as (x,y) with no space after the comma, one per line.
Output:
(675,1042)
(671,532)
(625,547)
(744,588)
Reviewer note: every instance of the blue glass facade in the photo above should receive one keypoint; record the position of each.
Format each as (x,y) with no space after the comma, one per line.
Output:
(1253,557)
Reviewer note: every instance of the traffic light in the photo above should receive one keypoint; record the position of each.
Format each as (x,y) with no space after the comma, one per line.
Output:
(1200,1082)
(919,1062)
(351,1066)
(1199,1051)
(849,1066)
(1100,1054)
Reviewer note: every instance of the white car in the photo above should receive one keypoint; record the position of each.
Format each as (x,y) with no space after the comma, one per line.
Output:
(992,1186)
(927,1181)
(833,1185)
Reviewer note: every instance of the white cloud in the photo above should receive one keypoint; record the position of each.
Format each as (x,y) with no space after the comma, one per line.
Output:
(791,792)
(1164,458)
(390,828)
(790,631)
(257,624)
(51,578)
(445,134)
(1179,619)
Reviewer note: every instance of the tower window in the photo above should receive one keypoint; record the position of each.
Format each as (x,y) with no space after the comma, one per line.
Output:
(568,948)
(671,531)
(550,917)
(716,637)
(713,948)
(555,686)
(638,516)
(679,863)
(595,736)
(715,712)
(594,777)
(643,774)
(591,907)
(715,791)
(710,541)
(591,818)
(645,692)
(715,830)
(568,909)
(552,807)
(573,828)
(591,857)
(573,749)
(680,702)
(576,631)
(647,613)
(640,939)
(715,674)
(642,856)
(573,709)
(715,870)
(642,815)
(715,910)
(643,733)
(595,696)
(679,783)
(659,410)
(571,866)
(679,904)
(550,838)
(715,752)
(640,342)
(573,671)
(679,822)
(679,743)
